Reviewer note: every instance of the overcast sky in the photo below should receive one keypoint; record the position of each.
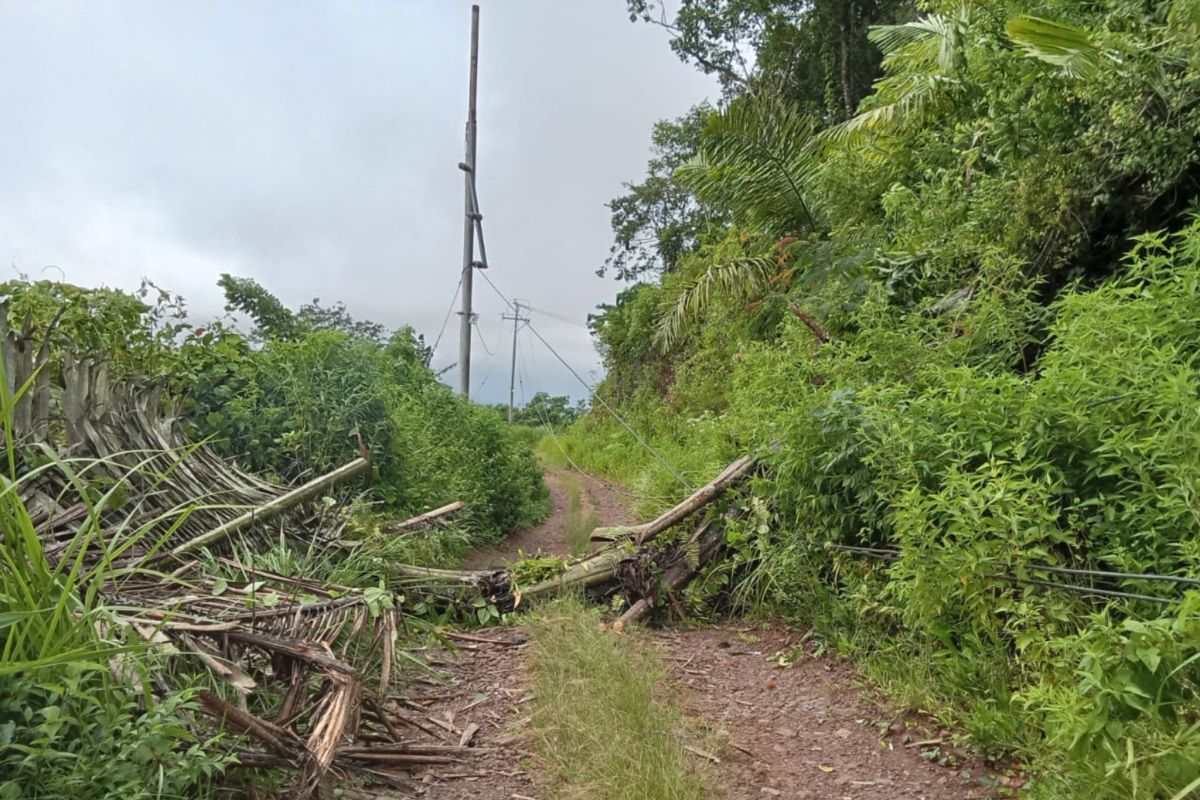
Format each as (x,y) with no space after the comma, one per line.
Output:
(313,146)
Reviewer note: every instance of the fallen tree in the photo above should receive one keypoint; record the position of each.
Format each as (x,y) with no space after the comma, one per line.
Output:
(633,562)
(729,476)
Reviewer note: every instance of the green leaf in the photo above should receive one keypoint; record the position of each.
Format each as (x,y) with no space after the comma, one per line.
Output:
(1055,43)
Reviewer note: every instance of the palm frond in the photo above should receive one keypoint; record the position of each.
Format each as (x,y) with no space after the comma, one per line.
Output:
(916,96)
(924,58)
(939,39)
(1060,45)
(739,278)
(758,160)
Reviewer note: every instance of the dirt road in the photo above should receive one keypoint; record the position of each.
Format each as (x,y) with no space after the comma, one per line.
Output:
(795,725)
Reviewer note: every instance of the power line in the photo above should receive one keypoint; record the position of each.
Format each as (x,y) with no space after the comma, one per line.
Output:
(893,555)
(559,317)
(592,391)
(571,462)
(492,363)
(483,343)
(449,313)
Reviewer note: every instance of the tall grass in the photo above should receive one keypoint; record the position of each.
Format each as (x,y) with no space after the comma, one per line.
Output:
(605,730)
(77,717)
(579,525)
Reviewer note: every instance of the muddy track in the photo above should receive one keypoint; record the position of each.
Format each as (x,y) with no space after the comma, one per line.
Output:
(791,723)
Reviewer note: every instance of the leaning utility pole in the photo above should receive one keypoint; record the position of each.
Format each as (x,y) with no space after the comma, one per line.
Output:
(466,316)
(512,375)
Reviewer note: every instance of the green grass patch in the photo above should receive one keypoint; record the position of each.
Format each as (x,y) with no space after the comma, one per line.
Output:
(579,525)
(605,726)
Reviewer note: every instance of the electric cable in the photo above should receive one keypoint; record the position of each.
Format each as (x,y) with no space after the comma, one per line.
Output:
(893,555)
(449,312)
(483,344)
(592,392)
(571,462)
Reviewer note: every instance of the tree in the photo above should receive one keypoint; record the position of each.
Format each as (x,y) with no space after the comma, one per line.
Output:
(657,221)
(273,320)
(546,409)
(813,53)
(758,160)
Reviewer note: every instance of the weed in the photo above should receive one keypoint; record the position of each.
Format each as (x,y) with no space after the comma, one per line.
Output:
(604,731)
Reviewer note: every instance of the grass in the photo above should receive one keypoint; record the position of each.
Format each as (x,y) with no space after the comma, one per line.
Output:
(579,526)
(604,729)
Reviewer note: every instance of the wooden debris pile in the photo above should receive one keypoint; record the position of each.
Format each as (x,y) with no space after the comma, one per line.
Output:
(313,660)
(307,650)
(631,561)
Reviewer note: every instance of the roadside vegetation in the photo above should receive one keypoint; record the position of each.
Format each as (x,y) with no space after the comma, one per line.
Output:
(604,723)
(956,319)
(90,709)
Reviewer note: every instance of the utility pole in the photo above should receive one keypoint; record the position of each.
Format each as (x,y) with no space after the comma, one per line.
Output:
(470,215)
(512,375)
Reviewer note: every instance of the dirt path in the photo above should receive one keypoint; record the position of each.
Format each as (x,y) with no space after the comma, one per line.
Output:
(597,499)
(804,732)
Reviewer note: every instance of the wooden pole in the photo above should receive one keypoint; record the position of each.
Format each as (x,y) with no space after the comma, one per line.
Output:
(427,518)
(469,214)
(512,375)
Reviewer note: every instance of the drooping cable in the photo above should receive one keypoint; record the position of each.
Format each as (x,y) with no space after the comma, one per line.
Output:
(592,392)
(449,312)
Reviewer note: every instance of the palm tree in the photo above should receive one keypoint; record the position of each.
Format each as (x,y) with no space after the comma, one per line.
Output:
(757,159)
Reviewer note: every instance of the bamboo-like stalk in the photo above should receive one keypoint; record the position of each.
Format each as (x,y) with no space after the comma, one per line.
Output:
(598,569)
(273,508)
(427,518)
(729,476)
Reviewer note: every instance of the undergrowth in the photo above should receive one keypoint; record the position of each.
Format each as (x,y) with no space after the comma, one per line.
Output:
(605,728)
(930,447)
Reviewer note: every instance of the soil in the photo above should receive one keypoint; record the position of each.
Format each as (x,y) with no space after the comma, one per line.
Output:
(595,496)
(790,723)
(797,725)
(481,689)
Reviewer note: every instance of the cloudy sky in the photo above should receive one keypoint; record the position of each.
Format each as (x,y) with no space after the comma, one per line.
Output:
(314,147)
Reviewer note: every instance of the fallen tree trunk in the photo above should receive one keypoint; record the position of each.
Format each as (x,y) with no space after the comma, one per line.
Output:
(729,476)
(428,518)
(710,539)
(273,508)
(592,571)
(602,568)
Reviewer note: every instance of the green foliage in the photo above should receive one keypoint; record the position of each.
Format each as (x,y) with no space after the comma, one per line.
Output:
(136,332)
(1006,267)
(66,732)
(657,221)
(813,54)
(76,714)
(544,409)
(323,387)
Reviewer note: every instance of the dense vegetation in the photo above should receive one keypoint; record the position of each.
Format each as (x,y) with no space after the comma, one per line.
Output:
(82,709)
(957,320)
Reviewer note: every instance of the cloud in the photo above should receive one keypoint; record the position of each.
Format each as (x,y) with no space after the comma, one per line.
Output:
(314,147)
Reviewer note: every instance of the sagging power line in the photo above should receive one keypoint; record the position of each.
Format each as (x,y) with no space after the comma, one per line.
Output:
(592,393)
